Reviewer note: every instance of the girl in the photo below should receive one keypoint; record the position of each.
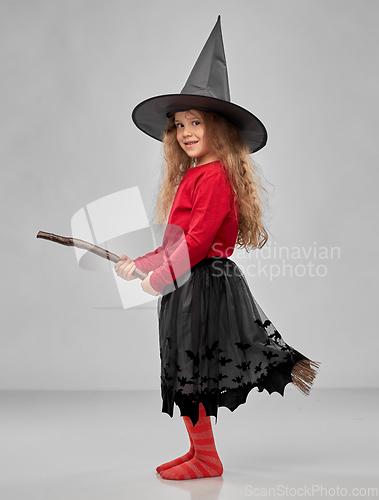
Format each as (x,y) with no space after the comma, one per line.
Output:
(216,344)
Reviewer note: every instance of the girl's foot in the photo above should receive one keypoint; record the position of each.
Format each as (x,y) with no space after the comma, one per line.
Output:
(195,469)
(177,461)
(205,461)
(184,458)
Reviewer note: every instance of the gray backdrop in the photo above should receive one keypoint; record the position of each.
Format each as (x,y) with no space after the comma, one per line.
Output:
(72,71)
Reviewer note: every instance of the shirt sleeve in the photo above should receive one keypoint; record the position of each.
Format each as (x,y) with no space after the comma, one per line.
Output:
(211,203)
(150,261)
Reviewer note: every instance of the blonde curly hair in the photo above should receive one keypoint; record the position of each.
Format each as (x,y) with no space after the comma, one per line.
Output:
(243,175)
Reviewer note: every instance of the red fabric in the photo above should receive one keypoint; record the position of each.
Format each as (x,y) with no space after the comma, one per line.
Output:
(185,458)
(203,213)
(205,461)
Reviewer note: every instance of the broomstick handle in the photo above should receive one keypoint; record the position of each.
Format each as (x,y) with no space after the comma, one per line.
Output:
(85,245)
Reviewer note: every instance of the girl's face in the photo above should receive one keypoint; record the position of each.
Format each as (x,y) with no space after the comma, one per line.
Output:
(190,134)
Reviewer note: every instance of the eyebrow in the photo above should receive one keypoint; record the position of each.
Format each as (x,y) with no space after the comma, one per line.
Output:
(193,117)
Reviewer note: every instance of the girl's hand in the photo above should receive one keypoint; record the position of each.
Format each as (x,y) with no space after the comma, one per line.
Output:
(125,268)
(146,287)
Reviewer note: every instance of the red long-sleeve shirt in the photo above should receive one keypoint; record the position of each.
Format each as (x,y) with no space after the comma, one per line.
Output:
(201,224)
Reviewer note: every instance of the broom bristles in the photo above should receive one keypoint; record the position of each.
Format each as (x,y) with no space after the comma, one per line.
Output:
(303,375)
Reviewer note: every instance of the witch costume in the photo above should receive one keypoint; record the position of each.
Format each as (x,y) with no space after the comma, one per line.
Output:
(216,343)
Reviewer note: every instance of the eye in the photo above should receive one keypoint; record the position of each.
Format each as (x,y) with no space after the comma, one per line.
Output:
(179,125)
(195,122)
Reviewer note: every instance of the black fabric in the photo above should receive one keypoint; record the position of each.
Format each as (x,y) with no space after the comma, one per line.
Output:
(216,343)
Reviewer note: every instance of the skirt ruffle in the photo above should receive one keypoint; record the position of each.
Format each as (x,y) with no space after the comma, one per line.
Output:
(216,343)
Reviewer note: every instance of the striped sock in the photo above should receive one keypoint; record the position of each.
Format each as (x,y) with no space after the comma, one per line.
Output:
(205,462)
(180,460)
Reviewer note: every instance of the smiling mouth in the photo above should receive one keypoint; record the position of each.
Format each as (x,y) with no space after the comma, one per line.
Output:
(189,144)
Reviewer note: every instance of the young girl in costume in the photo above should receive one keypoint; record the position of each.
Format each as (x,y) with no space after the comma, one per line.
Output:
(216,344)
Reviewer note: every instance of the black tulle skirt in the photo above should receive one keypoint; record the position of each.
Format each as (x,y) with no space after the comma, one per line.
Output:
(216,343)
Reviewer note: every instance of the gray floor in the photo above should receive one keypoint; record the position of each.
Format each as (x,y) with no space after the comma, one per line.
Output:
(106,445)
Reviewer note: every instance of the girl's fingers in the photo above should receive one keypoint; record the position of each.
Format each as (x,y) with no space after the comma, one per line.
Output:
(131,271)
(120,265)
(125,269)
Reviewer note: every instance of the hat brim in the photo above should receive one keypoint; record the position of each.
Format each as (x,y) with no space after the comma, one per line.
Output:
(150,116)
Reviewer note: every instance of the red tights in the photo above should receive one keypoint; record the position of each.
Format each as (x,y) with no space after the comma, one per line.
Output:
(202,459)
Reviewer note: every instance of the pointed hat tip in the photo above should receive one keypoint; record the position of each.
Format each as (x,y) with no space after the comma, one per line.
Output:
(217,26)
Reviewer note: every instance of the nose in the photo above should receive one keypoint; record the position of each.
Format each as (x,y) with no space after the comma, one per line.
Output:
(186,132)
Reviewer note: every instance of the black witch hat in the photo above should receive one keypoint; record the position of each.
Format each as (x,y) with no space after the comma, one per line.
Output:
(207,89)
